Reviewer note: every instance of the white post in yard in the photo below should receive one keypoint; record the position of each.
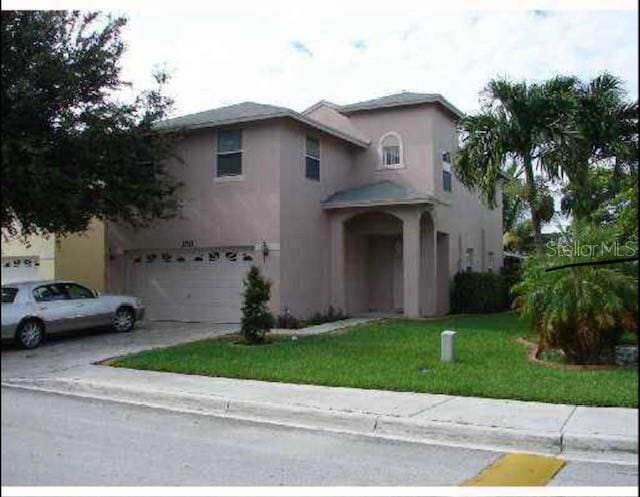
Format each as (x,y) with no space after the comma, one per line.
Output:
(447,349)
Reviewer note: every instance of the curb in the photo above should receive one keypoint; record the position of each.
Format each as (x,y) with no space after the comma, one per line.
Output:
(589,447)
(470,435)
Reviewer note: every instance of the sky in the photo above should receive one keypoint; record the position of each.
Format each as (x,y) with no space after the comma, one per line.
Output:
(290,54)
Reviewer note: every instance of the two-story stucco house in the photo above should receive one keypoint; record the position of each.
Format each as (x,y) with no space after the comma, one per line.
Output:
(353,206)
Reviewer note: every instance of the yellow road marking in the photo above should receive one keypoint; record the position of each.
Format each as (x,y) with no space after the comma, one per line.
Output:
(515,470)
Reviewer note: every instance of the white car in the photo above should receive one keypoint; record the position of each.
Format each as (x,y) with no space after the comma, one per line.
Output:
(33,309)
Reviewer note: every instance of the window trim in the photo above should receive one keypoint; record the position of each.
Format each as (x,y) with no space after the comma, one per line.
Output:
(307,155)
(226,177)
(381,165)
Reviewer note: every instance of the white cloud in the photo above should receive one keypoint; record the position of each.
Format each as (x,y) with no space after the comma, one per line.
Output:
(223,56)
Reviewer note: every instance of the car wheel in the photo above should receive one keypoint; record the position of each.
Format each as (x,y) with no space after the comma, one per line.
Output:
(30,334)
(125,319)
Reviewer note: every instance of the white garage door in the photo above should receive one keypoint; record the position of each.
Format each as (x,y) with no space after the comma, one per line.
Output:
(19,269)
(190,285)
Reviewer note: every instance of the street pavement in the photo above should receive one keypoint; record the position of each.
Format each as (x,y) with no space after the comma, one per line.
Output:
(55,440)
(153,439)
(50,439)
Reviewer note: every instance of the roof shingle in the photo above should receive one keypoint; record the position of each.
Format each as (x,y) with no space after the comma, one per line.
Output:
(380,192)
(248,112)
(400,99)
(223,115)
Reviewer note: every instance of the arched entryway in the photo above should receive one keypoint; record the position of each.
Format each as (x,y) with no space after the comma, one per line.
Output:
(374,263)
(385,259)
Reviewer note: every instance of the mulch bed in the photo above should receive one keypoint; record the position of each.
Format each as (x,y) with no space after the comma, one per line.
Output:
(534,359)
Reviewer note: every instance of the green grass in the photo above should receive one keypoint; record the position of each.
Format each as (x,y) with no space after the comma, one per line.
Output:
(390,355)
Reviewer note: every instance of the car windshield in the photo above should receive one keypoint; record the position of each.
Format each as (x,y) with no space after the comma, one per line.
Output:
(8,294)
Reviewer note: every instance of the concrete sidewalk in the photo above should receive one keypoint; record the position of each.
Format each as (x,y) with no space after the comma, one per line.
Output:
(574,432)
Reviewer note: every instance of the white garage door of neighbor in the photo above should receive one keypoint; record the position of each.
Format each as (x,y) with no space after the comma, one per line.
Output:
(190,285)
(16,269)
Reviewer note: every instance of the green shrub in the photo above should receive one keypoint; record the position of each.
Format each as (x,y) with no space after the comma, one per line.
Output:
(583,310)
(329,317)
(288,321)
(478,293)
(256,317)
(511,276)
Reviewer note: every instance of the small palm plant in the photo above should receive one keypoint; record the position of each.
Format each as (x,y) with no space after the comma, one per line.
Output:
(582,310)
(257,320)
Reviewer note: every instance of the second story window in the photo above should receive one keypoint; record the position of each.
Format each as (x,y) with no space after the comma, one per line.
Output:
(312,159)
(446,171)
(229,154)
(391,151)
(469,260)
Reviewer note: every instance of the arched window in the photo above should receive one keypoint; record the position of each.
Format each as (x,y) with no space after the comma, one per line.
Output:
(390,148)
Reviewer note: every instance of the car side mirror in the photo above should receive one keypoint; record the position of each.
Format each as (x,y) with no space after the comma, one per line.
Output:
(96,293)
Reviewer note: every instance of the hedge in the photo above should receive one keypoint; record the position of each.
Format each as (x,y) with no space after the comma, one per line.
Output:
(479,292)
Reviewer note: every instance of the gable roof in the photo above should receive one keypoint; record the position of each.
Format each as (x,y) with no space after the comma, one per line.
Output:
(378,193)
(248,112)
(398,100)
(327,113)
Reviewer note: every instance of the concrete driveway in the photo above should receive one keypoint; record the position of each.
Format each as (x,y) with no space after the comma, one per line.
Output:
(64,353)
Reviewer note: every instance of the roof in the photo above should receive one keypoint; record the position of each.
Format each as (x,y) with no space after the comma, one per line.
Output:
(327,113)
(398,100)
(248,112)
(321,103)
(379,193)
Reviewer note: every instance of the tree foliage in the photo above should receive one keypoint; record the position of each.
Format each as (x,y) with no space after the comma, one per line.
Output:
(71,149)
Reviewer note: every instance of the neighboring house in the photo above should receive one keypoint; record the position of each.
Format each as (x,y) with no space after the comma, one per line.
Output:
(80,257)
(352,206)
(30,259)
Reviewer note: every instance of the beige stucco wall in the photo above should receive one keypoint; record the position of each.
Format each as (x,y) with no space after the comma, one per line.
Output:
(305,256)
(414,125)
(463,215)
(81,257)
(41,246)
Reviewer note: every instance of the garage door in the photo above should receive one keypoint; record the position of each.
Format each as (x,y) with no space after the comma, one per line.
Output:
(190,285)
(19,269)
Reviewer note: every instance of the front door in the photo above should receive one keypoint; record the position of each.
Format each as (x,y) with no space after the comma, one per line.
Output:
(381,273)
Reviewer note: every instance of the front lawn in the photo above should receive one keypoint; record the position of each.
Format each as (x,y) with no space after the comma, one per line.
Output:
(403,355)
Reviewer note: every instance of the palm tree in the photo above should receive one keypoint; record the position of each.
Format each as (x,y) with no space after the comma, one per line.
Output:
(524,125)
(604,161)
(513,207)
